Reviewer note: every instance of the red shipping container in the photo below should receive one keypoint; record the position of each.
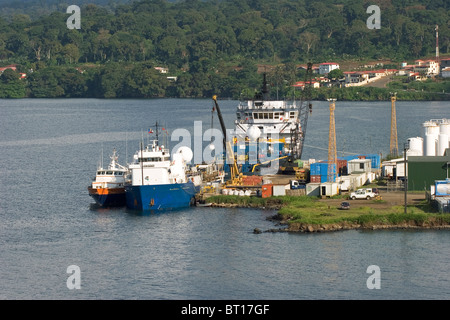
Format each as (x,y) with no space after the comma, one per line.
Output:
(266,190)
(314,178)
(251,180)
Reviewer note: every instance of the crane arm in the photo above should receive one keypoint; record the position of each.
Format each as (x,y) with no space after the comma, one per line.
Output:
(227,144)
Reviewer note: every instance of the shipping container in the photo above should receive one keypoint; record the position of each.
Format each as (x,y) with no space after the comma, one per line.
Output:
(279,190)
(251,180)
(324,178)
(375,160)
(315,178)
(329,189)
(266,190)
(313,189)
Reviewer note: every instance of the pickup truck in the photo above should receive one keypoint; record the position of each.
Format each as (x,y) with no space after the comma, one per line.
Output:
(362,194)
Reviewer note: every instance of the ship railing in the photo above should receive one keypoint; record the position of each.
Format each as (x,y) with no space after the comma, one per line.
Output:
(282,105)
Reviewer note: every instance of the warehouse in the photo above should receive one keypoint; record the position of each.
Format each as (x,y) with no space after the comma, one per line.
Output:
(424,171)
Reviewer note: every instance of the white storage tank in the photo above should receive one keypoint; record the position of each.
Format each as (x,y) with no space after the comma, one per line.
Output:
(444,136)
(443,144)
(431,134)
(415,147)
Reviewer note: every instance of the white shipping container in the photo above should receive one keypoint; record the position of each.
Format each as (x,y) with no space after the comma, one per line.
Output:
(313,189)
(279,190)
(329,189)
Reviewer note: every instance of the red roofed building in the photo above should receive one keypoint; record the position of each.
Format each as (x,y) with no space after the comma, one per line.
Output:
(301,84)
(427,67)
(326,67)
(11,66)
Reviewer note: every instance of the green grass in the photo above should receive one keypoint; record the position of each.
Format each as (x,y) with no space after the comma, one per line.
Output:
(308,210)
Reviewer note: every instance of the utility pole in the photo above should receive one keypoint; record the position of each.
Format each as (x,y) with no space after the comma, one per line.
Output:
(393,143)
(332,153)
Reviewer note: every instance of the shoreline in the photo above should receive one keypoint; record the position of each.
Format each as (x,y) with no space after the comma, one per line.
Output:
(284,224)
(344,226)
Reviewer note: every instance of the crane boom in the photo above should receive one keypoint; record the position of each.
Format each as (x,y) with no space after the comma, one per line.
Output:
(305,108)
(234,171)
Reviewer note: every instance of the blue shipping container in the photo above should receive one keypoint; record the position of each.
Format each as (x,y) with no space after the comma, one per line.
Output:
(375,160)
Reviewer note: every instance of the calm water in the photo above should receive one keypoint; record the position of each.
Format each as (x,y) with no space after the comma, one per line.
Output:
(50,149)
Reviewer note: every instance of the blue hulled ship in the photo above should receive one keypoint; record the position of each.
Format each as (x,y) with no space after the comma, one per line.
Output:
(157,182)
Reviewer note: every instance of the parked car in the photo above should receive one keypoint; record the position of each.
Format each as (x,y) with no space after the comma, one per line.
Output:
(345,205)
(362,194)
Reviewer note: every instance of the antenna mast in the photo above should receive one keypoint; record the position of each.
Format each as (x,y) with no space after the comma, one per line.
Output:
(332,153)
(394,142)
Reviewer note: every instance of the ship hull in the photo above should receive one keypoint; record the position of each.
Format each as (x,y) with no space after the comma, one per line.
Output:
(160,197)
(108,197)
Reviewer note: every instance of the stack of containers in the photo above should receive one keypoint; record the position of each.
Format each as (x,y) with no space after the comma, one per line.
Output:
(319,172)
(315,172)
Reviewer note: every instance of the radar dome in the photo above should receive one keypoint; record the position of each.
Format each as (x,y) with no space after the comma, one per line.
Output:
(254,133)
(186,153)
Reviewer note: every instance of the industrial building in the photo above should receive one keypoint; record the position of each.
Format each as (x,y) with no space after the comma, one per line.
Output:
(423,171)
(426,157)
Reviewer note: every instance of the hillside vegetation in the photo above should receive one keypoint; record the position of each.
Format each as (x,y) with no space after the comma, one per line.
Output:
(211,46)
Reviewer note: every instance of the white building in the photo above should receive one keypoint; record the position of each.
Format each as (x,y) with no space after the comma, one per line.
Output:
(326,67)
(427,67)
(445,73)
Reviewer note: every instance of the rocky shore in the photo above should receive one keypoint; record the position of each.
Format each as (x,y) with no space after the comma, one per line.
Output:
(285,226)
(286,223)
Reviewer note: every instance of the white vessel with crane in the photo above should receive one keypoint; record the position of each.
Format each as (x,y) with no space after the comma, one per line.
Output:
(277,127)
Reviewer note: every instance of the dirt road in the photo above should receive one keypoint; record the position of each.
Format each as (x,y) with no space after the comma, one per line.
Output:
(390,199)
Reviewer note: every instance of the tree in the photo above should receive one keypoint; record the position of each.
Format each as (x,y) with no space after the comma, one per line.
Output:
(11,86)
(44,84)
(308,40)
(71,53)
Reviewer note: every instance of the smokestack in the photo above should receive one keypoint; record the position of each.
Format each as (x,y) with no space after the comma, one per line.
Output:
(437,43)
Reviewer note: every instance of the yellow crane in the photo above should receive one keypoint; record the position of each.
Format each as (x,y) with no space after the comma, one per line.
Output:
(235,177)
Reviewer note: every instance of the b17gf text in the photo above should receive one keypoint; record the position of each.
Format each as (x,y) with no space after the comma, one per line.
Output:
(230,309)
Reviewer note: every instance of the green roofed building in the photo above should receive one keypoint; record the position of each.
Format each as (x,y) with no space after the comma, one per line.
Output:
(423,171)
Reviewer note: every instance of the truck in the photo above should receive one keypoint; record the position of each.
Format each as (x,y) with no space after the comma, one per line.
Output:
(295,184)
(362,194)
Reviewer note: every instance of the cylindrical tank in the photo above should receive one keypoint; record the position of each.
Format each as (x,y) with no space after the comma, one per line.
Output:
(431,130)
(442,145)
(444,126)
(444,136)
(415,147)
(442,189)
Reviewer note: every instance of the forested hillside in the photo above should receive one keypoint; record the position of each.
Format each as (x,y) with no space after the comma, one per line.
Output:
(211,46)
(37,8)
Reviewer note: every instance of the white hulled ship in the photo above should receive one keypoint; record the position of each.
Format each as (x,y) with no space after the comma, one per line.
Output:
(279,124)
